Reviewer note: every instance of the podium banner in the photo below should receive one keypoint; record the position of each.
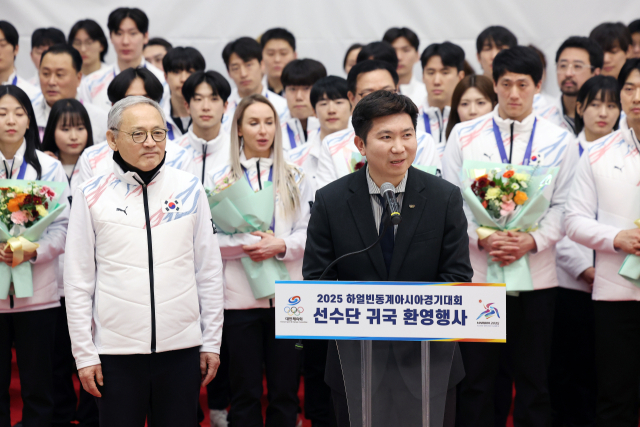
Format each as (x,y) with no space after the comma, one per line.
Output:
(391,311)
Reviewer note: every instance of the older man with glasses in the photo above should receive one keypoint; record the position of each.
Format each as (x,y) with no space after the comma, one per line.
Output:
(146,277)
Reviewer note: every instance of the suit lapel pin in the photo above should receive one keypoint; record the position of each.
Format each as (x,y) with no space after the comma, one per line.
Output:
(412,206)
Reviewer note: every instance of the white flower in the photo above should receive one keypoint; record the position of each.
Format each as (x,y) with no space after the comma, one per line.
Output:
(524,184)
(515,186)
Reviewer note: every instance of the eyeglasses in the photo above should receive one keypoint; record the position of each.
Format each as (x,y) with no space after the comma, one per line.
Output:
(140,136)
(79,44)
(578,67)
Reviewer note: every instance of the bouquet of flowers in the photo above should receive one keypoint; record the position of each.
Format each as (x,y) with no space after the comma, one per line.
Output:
(504,197)
(630,268)
(27,208)
(236,208)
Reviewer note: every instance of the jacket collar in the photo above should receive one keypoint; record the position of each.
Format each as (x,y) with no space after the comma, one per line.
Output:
(214,145)
(629,135)
(18,158)
(133,178)
(519,127)
(251,164)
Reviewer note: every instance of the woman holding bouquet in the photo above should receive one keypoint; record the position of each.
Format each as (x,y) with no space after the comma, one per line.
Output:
(257,156)
(30,322)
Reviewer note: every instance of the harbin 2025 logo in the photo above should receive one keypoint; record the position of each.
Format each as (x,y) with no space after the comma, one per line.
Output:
(293,311)
(490,316)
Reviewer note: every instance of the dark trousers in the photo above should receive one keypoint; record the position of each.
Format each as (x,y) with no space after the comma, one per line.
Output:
(617,362)
(572,379)
(33,334)
(218,392)
(64,367)
(317,394)
(250,336)
(166,386)
(529,334)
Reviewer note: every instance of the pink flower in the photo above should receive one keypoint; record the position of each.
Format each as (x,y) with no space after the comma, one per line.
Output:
(47,192)
(507,197)
(507,207)
(19,217)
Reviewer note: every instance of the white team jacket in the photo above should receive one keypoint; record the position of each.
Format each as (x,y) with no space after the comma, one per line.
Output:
(217,152)
(93,88)
(146,274)
(475,140)
(74,182)
(605,200)
(572,258)
(33,92)
(415,90)
(278,102)
(98,159)
(337,149)
(45,266)
(306,157)
(292,133)
(437,121)
(293,230)
(97,116)
(547,108)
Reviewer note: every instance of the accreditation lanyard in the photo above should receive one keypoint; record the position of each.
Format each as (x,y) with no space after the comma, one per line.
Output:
(292,137)
(427,124)
(503,153)
(270,179)
(580,149)
(21,172)
(15,81)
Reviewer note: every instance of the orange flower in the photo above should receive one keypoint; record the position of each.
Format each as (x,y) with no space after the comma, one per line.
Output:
(485,204)
(14,204)
(508,174)
(520,197)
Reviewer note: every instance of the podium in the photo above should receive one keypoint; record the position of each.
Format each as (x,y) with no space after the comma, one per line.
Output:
(396,341)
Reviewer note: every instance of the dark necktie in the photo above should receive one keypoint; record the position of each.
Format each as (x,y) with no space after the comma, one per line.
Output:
(388,240)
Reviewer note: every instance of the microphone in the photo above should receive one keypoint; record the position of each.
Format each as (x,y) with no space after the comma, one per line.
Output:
(389,193)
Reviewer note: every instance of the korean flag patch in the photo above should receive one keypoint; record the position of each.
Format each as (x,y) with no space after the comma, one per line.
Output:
(172,205)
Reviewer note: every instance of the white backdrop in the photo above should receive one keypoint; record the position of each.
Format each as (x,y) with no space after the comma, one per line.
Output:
(325,28)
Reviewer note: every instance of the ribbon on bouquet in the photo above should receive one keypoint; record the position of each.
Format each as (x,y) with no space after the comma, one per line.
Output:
(19,245)
(630,268)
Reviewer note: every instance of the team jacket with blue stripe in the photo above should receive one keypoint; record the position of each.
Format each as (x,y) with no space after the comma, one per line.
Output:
(293,134)
(306,157)
(98,159)
(146,270)
(93,87)
(45,266)
(33,92)
(605,200)
(205,155)
(338,148)
(437,121)
(555,147)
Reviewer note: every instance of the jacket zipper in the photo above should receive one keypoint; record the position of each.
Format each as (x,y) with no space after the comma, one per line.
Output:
(204,161)
(259,179)
(439,117)
(150,250)
(511,145)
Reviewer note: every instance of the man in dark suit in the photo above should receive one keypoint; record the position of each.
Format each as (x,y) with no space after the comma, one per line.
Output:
(429,245)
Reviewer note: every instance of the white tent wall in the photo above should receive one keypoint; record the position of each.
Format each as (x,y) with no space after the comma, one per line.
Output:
(325,28)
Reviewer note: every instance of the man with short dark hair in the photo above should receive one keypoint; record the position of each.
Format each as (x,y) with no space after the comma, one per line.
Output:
(442,69)
(512,134)
(577,60)
(178,65)
(406,44)
(297,79)
(155,50)
(278,49)
(614,39)
(243,59)
(9,48)
(338,154)
(634,47)
(489,43)
(381,51)
(129,32)
(348,215)
(41,40)
(60,75)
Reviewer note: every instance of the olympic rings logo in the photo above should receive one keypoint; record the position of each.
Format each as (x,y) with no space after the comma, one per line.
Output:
(293,310)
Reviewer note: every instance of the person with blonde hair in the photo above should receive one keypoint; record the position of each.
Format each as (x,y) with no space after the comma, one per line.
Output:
(256,155)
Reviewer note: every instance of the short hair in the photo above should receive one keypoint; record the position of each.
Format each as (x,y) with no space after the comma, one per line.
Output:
(634,27)
(245,47)
(10,33)
(366,67)
(351,49)
(183,59)
(540,54)
(115,114)
(120,84)
(120,14)
(395,33)
(596,55)
(611,34)
(58,49)
(302,72)
(159,41)
(381,103)
(219,85)
(72,113)
(47,37)
(627,69)
(94,31)
(451,55)
(468,69)
(497,35)
(382,51)
(519,60)
(482,83)
(331,87)
(278,34)
(606,87)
